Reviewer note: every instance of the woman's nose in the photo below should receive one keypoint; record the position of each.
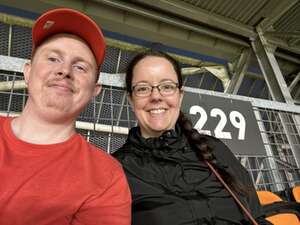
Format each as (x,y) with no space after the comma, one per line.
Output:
(155,93)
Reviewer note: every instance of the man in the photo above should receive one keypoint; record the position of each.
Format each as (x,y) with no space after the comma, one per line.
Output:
(49,174)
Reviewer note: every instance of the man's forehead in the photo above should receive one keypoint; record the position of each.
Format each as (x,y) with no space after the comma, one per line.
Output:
(58,37)
(55,42)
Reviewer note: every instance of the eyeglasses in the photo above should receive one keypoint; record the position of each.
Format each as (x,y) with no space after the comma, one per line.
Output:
(165,89)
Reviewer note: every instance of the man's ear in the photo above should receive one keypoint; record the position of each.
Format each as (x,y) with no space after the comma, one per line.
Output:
(97,90)
(26,71)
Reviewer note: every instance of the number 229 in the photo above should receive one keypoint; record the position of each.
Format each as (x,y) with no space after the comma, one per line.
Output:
(235,117)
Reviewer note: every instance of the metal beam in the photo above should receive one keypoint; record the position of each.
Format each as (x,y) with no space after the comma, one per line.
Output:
(124,17)
(239,72)
(162,17)
(146,25)
(294,82)
(294,34)
(271,71)
(183,9)
(85,125)
(294,42)
(297,95)
(289,58)
(269,150)
(277,13)
(256,102)
(277,86)
(283,44)
(291,134)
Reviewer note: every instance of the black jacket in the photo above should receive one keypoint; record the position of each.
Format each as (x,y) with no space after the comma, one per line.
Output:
(171,186)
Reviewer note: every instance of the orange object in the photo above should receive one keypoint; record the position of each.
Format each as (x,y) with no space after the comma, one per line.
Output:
(267,197)
(284,219)
(296,193)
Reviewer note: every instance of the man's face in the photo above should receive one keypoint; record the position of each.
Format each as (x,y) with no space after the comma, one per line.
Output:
(61,77)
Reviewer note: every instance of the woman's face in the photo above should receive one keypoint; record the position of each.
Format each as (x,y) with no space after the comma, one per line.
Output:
(155,113)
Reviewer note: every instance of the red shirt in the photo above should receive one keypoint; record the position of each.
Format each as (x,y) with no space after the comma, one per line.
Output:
(66,183)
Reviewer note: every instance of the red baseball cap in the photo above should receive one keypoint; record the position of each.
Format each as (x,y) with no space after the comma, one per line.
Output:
(65,20)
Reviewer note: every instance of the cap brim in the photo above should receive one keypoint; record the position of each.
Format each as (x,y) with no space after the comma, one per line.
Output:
(64,20)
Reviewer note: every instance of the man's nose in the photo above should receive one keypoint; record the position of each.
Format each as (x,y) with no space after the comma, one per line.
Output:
(64,70)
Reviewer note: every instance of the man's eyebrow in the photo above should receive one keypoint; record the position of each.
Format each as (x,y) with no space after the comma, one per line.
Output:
(50,50)
(81,59)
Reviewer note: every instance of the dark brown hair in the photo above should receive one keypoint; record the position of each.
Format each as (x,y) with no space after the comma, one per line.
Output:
(198,141)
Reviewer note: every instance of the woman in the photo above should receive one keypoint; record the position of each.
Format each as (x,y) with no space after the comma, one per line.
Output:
(165,158)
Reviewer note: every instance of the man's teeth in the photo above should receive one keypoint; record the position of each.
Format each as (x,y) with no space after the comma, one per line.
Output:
(157,111)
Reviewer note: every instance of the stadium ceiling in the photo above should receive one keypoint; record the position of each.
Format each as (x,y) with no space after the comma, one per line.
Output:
(224,29)
(198,25)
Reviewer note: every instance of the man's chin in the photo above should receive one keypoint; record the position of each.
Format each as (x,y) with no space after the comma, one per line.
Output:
(58,105)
